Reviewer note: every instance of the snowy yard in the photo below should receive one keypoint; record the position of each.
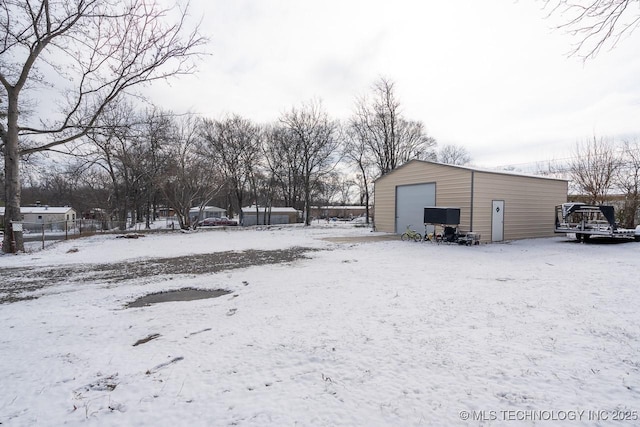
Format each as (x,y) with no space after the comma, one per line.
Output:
(359,333)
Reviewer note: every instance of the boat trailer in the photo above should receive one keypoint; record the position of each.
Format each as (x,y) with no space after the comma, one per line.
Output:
(586,221)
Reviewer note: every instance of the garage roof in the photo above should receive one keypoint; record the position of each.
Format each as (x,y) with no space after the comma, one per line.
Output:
(474,169)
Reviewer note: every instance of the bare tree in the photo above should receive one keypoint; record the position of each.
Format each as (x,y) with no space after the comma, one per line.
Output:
(344,190)
(454,155)
(356,152)
(234,144)
(283,169)
(154,135)
(131,148)
(284,162)
(628,180)
(315,140)
(92,193)
(391,140)
(191,179)
(593,169)
(94,50)
(259,182)
(110,150)
(596,23)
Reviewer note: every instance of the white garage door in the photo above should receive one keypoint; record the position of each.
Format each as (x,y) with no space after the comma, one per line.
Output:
(410,203)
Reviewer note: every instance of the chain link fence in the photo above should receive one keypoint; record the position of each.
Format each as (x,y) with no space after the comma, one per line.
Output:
(38,235)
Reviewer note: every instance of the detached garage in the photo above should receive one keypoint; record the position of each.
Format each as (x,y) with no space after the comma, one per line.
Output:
(497,205)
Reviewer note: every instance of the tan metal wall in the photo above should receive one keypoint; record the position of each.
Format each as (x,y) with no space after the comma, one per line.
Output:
(529,204)
(529,201)
(453,188)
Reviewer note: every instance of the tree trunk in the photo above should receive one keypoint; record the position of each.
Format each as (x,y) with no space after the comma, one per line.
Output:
(366,191)
(147,224)
(258,214)
(13,240)
(366,209)
(307,199)
(239,199)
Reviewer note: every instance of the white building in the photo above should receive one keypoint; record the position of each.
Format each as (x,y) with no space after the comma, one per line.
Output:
(52,217)
(195,214)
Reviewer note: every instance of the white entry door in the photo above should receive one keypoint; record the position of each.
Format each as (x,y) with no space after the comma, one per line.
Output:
(497,221)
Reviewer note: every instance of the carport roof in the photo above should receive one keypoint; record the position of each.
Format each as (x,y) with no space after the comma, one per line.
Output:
(252,209)
(42,210)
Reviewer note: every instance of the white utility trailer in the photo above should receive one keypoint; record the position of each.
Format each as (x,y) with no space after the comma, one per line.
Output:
(586,221)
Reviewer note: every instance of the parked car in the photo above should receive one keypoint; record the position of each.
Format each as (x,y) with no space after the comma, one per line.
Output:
(208,222)
(223,220)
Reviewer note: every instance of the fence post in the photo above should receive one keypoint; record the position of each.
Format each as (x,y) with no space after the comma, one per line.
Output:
(43,236)
(66,230)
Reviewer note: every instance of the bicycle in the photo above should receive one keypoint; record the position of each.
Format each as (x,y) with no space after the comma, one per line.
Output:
(410,234)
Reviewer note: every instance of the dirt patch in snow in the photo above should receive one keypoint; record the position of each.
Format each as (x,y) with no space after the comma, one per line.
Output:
(16,284)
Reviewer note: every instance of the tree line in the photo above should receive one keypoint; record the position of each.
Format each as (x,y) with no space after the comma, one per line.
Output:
(132,163)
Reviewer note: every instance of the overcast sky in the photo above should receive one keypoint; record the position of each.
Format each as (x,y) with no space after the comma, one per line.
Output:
(490,75)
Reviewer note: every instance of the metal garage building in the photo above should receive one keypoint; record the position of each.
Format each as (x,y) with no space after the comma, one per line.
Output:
(498,205)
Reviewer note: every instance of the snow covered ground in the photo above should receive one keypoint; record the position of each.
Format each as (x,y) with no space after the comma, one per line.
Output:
(361,333)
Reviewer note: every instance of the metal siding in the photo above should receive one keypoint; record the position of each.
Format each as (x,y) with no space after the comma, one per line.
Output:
(453,189)
(529,204)
(276,218)
(529,201)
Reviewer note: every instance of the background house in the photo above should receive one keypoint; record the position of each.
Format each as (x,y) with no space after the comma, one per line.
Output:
(52,217)
(273,215)
(195,214)
(498,205)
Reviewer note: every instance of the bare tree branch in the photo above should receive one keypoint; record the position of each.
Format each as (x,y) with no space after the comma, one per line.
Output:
(596,23)
(315,139)
(454,155)
(594,168)
(390,139)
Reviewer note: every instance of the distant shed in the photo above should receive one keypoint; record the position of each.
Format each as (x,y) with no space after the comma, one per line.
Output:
(198,214)
(498,205)
(271,216)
